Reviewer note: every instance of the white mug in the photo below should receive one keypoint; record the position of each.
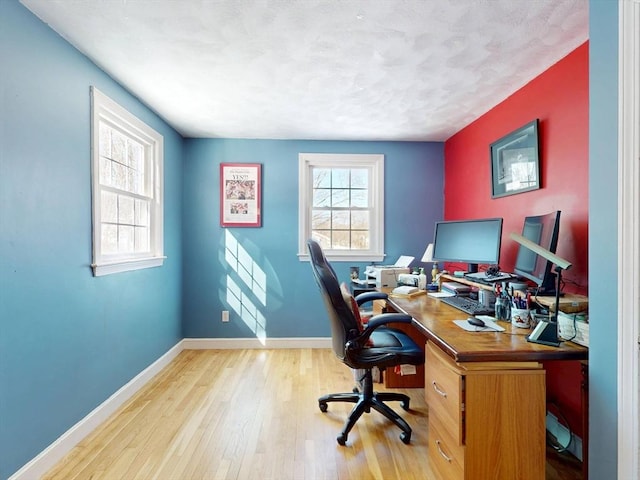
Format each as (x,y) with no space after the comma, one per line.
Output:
(520,317)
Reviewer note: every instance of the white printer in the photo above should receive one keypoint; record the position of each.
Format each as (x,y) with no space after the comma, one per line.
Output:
(387,275)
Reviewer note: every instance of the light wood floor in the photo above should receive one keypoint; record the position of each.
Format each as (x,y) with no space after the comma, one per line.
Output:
(252,414)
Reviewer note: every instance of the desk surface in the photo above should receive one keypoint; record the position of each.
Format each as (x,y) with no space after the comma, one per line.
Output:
(435,319)
(568,302)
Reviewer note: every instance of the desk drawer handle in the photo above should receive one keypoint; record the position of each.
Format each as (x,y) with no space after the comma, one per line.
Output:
(440,392)
(444,455)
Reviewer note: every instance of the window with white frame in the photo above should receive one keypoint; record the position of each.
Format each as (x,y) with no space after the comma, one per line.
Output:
(127,161)
(341,205)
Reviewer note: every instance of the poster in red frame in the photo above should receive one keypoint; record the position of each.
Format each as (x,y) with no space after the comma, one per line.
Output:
(240,195)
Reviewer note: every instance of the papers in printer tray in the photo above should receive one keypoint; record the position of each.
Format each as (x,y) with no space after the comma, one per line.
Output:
(403,261)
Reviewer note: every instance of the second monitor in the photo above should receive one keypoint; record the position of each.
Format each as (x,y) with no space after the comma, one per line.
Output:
(542,230)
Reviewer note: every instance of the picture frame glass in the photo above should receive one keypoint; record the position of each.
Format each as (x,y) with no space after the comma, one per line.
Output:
(240,195)
(515,162)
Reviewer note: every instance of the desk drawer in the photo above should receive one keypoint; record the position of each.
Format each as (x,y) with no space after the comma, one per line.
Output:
(446,457)
(444,392)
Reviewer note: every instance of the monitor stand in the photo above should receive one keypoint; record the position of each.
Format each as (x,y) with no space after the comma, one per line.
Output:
(550,289)
(548,293)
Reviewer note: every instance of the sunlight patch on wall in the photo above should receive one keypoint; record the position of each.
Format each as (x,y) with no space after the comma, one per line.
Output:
(246,309)
(246,292)
(245,266)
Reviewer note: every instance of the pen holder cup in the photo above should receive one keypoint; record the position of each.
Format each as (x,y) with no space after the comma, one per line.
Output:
(520,317)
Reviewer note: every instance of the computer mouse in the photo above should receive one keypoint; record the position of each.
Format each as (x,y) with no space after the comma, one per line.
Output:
(476,321)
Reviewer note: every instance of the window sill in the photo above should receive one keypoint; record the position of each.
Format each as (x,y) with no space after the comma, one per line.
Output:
(126,266)
(350,257)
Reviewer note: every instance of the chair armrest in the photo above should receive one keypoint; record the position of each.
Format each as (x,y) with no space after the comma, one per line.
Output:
(370,297)
(374,322)
(385,318)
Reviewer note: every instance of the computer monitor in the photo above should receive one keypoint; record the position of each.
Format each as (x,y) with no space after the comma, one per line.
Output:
(542,230)
(468,241)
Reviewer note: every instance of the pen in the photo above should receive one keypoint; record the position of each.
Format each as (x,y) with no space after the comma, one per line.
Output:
(520,302)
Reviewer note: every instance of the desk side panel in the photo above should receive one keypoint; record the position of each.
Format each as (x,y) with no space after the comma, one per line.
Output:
(505,425)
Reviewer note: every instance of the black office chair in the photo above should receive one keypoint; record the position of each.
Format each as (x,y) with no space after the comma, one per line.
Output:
(374,346)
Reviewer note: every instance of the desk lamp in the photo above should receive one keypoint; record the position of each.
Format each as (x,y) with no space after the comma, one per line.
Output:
(428,258)
(545,332)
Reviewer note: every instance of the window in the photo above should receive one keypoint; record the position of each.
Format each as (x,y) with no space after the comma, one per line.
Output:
(127,159)
(341,205)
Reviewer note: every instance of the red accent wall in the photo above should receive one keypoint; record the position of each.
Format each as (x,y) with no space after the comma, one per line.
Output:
(559,98)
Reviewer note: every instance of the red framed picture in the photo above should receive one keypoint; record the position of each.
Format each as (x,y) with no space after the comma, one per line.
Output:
(240,194)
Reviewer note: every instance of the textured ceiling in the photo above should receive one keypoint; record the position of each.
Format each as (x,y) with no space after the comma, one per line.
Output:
(320,69)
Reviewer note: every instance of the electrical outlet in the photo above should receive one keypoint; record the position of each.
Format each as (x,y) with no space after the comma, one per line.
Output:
(225,315)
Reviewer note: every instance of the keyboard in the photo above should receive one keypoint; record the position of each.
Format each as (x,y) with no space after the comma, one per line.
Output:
(468,305)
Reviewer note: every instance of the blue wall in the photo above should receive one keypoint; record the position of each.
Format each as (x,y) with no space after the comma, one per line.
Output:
(68,340)
(292,308)
(603,205)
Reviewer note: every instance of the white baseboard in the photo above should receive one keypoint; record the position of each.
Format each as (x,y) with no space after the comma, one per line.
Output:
(51,455)
(252,343)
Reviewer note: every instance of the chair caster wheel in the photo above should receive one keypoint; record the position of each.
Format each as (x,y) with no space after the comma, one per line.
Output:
(323,406)
(342,439)
(405,405)
(405,437)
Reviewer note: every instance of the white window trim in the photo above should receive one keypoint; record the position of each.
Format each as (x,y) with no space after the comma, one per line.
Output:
(628,240)
(331,160)
(102,107)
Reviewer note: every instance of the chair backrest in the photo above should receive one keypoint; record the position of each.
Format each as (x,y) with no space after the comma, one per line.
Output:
(343,323)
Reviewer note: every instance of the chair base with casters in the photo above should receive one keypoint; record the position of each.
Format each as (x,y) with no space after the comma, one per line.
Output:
(365,400)
(363,347)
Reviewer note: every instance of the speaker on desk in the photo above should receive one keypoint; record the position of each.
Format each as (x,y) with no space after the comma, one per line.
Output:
(545,333)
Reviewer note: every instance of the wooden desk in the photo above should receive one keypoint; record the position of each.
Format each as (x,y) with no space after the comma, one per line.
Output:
(435,320)
(486,394)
